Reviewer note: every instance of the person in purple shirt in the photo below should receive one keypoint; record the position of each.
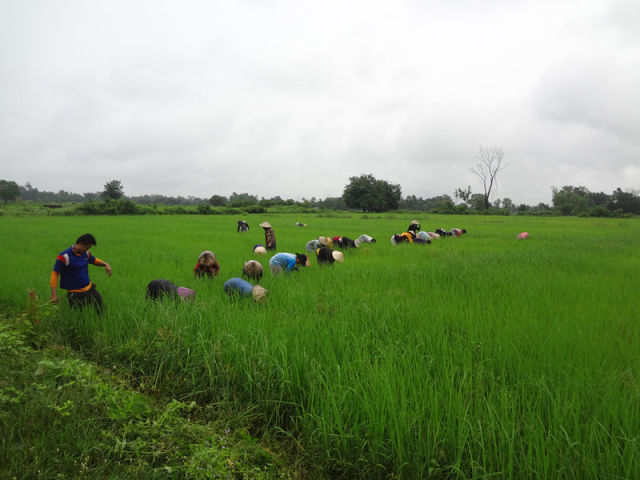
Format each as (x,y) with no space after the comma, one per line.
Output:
(161,288)
(287,262)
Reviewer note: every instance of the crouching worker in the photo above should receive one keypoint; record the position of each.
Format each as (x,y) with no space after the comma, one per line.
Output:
(287,262)
(326,241)
(405,237)
(252,269)
(72,268)
(364,239)
(414,226)
(206,265)
(242,226)
(161,288)
(239,287)
(344,242)
(313,245)
(325,255)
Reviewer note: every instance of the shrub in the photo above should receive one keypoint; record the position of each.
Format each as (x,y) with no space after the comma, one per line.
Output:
(204,209)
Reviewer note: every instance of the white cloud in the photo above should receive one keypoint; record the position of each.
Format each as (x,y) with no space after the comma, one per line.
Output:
(291,98)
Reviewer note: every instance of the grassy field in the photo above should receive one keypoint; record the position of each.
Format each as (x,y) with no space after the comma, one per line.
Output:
(474,357)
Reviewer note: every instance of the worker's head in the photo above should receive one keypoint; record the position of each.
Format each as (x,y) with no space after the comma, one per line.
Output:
(259,293)
(302,260)
(84,243)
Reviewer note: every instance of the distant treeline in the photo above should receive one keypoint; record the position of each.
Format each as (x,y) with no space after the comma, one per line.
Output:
(568,200)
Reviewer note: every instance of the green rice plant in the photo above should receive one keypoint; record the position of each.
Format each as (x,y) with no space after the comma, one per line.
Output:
(473,357)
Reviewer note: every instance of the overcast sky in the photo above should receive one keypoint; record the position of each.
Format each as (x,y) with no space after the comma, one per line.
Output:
(293,97)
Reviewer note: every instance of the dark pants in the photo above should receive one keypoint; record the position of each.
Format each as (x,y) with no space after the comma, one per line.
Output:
(90,297)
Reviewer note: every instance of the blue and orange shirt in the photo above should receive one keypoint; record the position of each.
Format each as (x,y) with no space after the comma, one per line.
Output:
(73,270)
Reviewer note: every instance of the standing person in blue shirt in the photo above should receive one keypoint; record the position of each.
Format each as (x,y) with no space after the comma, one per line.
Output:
(71,267)
(287,262)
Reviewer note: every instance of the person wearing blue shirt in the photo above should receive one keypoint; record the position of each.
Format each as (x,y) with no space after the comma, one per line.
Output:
(71,268)
(287,262)
(240,287)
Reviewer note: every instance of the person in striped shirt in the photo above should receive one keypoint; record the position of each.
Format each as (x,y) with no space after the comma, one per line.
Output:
(72,269)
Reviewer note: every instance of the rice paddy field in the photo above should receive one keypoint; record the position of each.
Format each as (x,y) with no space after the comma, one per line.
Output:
(474,357)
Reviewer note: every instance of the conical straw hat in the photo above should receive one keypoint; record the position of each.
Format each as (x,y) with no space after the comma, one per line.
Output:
(338,256)
(207,258)
(258,293)
(265,225)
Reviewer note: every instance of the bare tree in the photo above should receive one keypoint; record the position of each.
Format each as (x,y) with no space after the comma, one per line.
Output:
(488,168)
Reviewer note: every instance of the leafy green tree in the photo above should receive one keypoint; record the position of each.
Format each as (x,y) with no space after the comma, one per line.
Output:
(242,199)
(9,191)
(368,194)
(218,201)
(333,203)
(625,201)
(507,203)
(599,198)
(571,200)
(113,190)
(477,201)
(28,192)
(464,194)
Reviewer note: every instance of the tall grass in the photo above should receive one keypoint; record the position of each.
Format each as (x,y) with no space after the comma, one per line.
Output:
(474,357)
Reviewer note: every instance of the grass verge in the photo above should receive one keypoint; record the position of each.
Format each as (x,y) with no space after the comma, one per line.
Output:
(62,416)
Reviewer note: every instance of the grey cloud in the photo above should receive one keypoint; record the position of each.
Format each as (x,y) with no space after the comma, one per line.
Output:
(598,92)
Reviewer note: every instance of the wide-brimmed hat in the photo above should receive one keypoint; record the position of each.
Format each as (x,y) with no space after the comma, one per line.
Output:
(265,225)
(415,222)
(259,250)
(338,256)
(207,258)
(252,268)
(324,241)
(258,293)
